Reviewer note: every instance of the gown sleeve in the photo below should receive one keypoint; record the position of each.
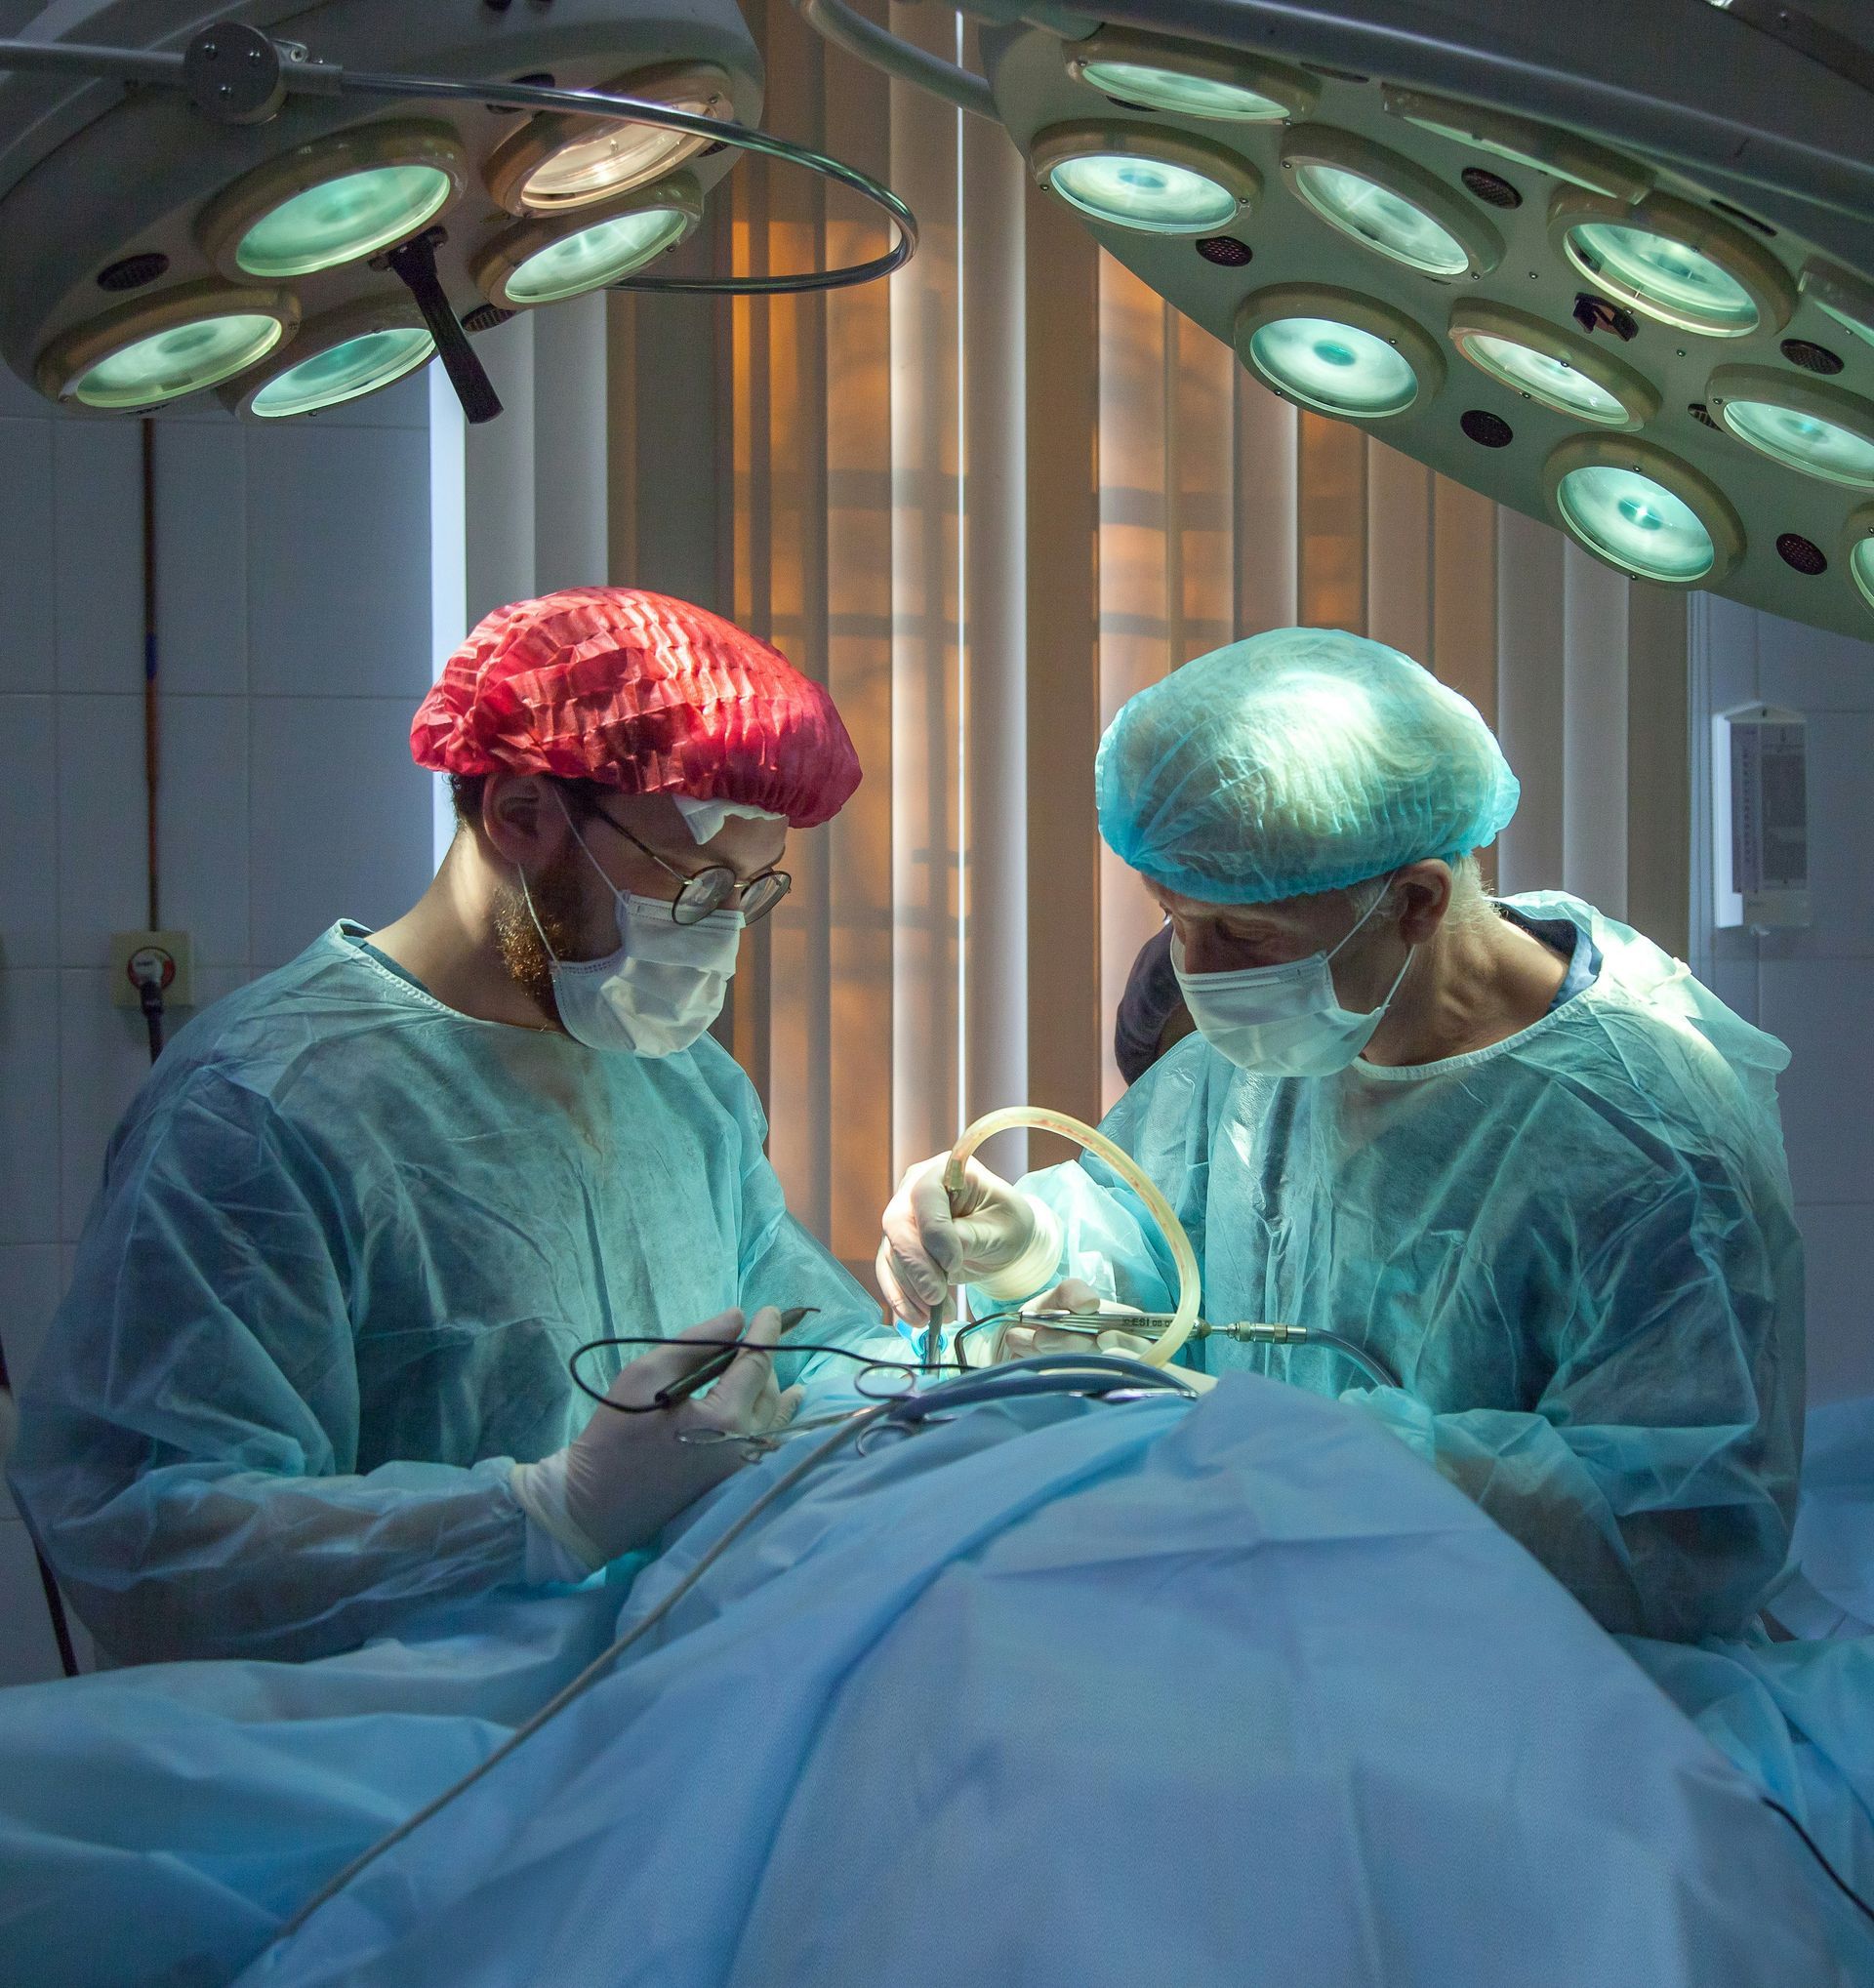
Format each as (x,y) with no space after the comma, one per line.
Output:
(1655,1478)
(782,1264)
(189,1436)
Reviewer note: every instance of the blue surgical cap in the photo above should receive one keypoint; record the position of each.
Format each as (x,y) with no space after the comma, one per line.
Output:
(1301,760)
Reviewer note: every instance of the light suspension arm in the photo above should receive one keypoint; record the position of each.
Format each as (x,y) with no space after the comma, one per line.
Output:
(835,22)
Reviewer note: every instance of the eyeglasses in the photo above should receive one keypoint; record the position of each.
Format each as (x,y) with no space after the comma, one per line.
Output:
(709,889)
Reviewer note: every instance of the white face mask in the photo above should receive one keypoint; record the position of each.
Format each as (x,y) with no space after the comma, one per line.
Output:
(1282,1021)
(663,986)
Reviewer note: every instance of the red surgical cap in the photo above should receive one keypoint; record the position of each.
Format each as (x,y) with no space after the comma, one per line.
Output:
(642,693)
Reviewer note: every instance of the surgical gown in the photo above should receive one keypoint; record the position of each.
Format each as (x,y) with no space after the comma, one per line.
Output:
(346,1242)
(1575,1247)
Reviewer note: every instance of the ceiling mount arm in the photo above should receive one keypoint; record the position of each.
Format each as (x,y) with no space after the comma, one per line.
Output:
(835,22)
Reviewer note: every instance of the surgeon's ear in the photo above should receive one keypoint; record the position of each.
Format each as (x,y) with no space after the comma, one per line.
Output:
(522,819)
(1423,893)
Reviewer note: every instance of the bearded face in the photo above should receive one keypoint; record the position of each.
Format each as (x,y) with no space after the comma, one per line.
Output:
(561,908)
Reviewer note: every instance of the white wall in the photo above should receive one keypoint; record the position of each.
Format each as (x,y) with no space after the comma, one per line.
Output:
(1813,989)
(294,609)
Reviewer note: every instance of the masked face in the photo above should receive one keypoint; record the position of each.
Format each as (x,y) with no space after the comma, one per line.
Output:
(1285,1020)
(660,988)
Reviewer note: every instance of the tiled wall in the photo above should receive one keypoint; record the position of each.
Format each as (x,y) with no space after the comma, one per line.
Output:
(1813,989)
(294,615)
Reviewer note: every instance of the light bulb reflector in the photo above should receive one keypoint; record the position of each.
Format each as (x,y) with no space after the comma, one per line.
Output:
(1334,367)
(611,161)
(343,220)
(595,255)
(1860,564)
(1663,277)
(1636,523)
(1804,441)
(167,364)
(1380,217)
(1181,93)
(1551,380)
(344,372)
(1154,195)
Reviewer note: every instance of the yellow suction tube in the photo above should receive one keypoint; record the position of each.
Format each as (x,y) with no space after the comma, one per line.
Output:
(1015,1117)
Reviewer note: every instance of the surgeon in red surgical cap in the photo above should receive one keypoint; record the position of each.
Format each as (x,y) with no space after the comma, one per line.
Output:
(312,1376)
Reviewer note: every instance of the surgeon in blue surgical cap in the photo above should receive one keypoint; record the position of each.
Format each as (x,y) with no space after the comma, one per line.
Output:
(1509,1146)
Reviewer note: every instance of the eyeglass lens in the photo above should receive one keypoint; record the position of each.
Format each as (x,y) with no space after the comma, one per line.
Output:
(710,889)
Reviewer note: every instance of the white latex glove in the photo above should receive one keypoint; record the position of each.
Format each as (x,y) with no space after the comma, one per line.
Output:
(623,1478)
(1018,1342)
(989,1235)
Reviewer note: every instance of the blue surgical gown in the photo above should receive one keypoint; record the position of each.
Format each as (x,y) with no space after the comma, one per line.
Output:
(1576,1248)
(347,1241)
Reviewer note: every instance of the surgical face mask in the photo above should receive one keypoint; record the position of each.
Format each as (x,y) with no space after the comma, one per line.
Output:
(659,989)
(1284,1020)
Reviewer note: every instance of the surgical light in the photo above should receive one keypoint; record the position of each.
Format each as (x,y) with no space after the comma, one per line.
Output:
(340,356)
(338,200)
(1139,176)
(1845,299)
(1388,203)
(1336,351)
(1559,154)
(556,164)
(1189,79)
(1534,359)
(545,263)
(1643,511)
(1673,263)
(163,346)
(1818,429)
(1858,545)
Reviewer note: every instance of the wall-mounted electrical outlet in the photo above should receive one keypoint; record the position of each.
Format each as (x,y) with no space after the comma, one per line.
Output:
(136,955)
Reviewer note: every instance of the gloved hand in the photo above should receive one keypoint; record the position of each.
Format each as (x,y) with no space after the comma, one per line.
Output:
(989,1235)
(625,1477)
(1018,1342)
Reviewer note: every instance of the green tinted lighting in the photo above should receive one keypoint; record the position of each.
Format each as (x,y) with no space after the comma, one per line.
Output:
(1551,380)
(343,220)
(1151,194)
(1819,448)
(343,372)
(1337,368)
(1381,218)
(1860,564)
(1181,93)
(1663,277)
(595,255)
(168,364)
(1636,523)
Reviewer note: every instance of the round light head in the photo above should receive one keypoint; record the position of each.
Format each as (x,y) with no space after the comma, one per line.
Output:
(340,356)
(1673,263)
(1138,177)
(1388,204)
(1847,299)
(164,346)
(1336,351)
(1189,79)
(339,199)
(1643,511)
(1533,360)
(1799,423)
(559,163)
(547,261)
(1857,553)
(1541,148)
